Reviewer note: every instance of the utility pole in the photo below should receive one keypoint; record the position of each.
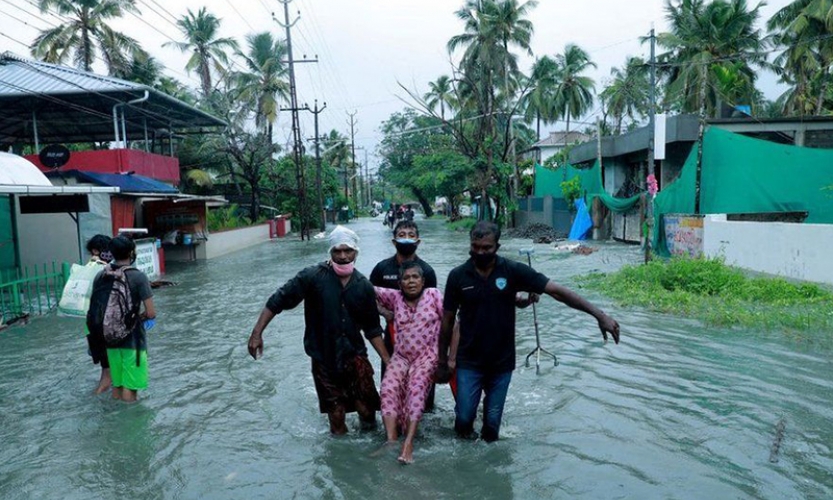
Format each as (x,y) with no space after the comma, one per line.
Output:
(322,219)
(296,127)
(652,110)
(365,178)
(353,124)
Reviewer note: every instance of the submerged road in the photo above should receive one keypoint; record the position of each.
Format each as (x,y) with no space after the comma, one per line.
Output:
(677,410)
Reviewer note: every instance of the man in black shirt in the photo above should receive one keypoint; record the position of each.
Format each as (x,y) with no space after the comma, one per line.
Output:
(338,302)
(484,290)
(386,275)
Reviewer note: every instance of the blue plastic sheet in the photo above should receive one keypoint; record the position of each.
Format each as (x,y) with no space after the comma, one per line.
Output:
(583,223)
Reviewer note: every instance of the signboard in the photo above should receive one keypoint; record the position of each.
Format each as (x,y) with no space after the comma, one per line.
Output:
(55,204)
(147,258)
(54,156)
(659,136)
(684,234)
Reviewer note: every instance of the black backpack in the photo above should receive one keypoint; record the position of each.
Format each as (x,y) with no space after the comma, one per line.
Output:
(113,314)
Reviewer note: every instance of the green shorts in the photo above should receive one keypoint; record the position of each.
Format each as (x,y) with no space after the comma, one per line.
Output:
(124,371)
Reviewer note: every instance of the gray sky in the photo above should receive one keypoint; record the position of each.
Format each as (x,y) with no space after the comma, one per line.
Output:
(366,46)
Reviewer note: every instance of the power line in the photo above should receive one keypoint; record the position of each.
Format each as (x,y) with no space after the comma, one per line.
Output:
(239,14)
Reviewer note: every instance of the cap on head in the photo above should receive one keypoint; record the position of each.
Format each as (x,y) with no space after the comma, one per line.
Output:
(343,236)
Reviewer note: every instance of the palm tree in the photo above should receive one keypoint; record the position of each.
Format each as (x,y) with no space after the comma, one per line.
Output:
(265,82)
(86,34)
(805,29)
(574,94)
(539,102)
(200,31)
(702,38)
(628,94)
(492,27)
(441,93)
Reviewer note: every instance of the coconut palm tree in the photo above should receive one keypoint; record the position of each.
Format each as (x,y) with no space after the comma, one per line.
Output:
(539,102)
(628,94)
(574,95)
(702,38)
(265,81)
(441,93)
(209,51)
(804,28)
(86,34)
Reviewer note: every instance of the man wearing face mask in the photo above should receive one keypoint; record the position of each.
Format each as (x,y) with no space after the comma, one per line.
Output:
(338,303)
(386,275)
(484,290)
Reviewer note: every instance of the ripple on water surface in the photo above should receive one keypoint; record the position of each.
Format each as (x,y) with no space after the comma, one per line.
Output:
(677,410)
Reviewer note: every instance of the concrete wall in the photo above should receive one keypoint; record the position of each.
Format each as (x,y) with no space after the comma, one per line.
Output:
(547,210)
(231,241)
(798,251)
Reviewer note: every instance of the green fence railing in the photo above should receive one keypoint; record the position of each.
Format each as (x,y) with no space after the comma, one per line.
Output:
(31,291)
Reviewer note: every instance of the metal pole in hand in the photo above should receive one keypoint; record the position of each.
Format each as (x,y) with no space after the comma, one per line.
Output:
(538,349)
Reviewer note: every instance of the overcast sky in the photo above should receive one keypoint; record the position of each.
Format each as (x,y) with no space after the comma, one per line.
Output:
(366,46)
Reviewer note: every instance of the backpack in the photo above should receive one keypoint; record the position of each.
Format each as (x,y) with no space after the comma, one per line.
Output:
(112,313)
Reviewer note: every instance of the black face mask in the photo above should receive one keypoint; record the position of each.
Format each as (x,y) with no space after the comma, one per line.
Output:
(406,248)
(482,260)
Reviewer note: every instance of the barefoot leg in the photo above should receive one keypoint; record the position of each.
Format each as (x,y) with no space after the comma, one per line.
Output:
(104,382)
(338,425)
(407,455)
(390,428)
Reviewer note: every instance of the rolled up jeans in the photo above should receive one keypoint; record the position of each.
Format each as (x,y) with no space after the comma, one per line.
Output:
(471,384)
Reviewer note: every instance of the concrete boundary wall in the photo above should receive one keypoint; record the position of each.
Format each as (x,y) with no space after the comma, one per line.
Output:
(233,240)
(797,251)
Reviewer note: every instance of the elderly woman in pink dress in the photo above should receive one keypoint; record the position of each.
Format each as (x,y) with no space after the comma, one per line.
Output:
(417,314)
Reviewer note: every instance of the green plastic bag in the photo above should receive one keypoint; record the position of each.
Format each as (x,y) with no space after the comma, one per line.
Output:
(75,299)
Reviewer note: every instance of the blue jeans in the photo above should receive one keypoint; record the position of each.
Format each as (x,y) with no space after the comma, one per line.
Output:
(470,385)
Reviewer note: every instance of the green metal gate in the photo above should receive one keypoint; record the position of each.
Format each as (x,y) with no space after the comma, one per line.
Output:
(31,291)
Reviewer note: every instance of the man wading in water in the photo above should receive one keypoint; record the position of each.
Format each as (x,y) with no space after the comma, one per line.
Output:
(338,302)
(484,290)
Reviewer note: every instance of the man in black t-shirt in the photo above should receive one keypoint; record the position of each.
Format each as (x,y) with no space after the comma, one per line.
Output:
(484,291)
(386,275)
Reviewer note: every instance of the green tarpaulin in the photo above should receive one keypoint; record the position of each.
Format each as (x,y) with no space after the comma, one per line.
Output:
(548,182)
(745,175)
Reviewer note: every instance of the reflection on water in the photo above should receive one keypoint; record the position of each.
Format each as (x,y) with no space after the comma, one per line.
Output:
(675,411)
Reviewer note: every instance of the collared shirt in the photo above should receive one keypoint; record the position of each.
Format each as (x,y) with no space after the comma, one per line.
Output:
(386,273)
(333,313)
(487,311)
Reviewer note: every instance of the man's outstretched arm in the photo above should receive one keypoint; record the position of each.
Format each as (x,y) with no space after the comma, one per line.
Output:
(576,301)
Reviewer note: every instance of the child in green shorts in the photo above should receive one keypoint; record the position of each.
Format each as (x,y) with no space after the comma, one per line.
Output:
(128,359)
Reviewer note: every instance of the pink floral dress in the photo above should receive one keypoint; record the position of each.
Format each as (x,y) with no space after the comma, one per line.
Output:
(409,375)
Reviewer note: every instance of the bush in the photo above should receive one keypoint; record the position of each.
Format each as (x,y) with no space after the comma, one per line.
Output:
(710,290)
(225,218)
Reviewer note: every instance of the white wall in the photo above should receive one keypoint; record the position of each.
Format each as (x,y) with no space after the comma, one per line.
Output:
(236,239)
(799,251)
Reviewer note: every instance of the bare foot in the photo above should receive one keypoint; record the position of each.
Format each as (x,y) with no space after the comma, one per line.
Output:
(384,448)
(407,455)
(104,382)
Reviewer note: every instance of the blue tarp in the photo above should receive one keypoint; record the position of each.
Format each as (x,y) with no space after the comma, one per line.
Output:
(128,183)
(583,223)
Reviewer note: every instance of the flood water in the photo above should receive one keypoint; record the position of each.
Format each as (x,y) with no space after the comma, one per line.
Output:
(677,410)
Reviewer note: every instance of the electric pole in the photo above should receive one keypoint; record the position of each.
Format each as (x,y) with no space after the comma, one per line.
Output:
(353,148)
(296,127)
(652,110)
(322,219)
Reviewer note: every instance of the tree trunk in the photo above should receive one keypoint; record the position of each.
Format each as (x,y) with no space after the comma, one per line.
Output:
(825,80)
(566,158)
(426,205)
(254,209)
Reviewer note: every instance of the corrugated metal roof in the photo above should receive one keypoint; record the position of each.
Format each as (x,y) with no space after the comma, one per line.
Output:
(70,105)
(21,76)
